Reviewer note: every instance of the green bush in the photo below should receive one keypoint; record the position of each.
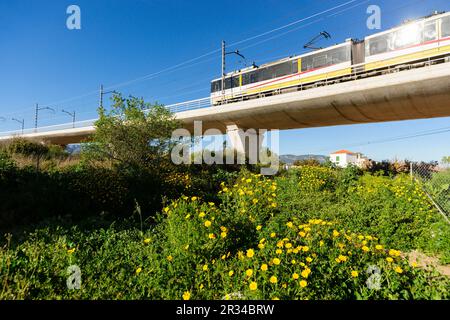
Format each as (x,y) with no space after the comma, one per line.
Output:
(245,246)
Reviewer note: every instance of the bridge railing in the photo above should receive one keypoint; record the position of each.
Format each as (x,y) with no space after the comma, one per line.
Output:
(190,105)
(57,127)
(175,108)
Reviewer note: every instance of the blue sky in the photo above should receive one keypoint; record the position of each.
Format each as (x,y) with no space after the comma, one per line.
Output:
(121,40)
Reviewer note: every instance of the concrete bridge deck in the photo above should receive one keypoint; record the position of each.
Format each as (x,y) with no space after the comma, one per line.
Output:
(411,94)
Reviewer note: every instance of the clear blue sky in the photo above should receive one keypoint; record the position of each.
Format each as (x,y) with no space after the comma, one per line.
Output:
(121,40)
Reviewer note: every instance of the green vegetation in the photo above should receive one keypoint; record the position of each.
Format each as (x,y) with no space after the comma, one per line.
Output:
(139,227)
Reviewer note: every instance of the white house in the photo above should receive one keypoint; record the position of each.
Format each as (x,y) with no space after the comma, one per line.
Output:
(343,158)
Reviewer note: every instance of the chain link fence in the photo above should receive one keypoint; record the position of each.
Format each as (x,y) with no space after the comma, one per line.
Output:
(435,181)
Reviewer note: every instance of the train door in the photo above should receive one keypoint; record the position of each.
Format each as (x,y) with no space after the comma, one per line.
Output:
(358,55)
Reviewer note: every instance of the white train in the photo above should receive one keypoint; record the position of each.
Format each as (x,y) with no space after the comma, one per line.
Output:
(413,44)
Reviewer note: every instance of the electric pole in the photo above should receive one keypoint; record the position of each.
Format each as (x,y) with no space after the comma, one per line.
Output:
(72,114)
(102,93)
(224,54)
(101,96)
(223,68)
(36,115)
(21,122)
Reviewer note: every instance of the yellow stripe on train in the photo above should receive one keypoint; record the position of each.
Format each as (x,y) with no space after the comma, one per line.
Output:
(286,84)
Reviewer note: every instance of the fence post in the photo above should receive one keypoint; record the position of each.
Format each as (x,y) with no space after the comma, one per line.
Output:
(411,171)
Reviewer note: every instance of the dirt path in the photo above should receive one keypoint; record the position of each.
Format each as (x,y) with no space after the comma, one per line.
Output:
(425,262)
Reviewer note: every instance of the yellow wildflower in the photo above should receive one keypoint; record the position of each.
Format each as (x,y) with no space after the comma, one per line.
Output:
(398,269)
(273,279)
(264,267)
(250,253)
(253,286)
(305,273)
(249,272)
(186,295)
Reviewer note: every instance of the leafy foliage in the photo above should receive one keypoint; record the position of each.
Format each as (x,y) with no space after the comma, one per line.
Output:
(134,136)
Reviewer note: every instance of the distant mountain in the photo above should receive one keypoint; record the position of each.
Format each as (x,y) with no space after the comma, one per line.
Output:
(290,158)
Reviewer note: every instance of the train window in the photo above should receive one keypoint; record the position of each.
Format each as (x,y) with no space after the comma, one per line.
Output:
(319,60)
(430,31)
(408,36)
(254,76)
(378,45)
(339,55)
(227,83)
(327,58)
(445,27)
(246,78)
(232,82)
(235,81)
(215,86)
(294,66)
(278,70)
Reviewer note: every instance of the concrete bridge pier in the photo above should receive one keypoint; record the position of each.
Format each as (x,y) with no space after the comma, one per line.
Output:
(246,142)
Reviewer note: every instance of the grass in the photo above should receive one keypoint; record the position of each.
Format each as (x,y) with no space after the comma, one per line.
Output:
(314,233)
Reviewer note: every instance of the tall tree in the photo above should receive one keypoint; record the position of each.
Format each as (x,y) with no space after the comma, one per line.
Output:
(134,135)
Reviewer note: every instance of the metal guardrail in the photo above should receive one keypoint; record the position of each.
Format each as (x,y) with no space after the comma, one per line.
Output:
(190,105)
(63,126)
(175,108)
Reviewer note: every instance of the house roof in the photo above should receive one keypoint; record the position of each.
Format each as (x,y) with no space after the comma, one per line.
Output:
(343,152)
